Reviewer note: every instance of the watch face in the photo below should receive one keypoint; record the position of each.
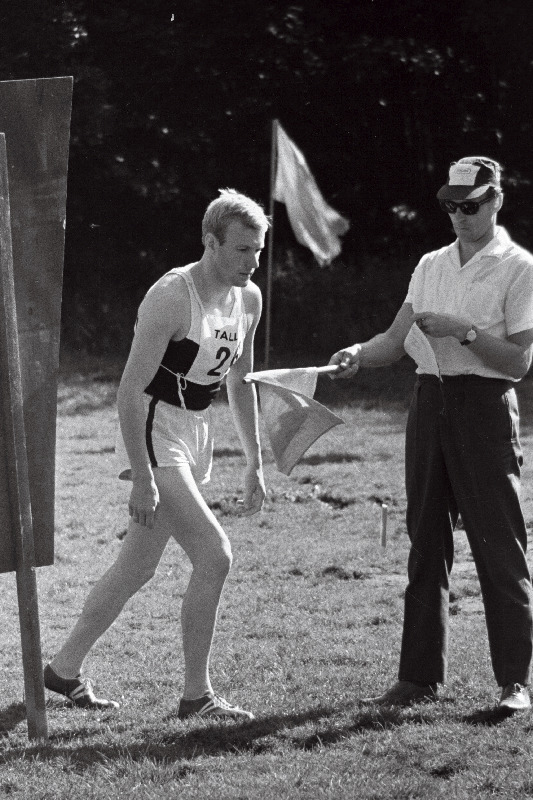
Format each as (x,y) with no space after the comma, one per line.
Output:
(471,335)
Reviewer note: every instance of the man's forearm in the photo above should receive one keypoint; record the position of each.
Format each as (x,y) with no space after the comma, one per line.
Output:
(132,425)
(243,403)
(501,354)
(380,351)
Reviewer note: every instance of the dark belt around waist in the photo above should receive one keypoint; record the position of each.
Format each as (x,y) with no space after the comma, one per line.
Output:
(466,381)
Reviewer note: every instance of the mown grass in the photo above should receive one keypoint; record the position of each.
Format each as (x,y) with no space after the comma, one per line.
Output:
(310,622)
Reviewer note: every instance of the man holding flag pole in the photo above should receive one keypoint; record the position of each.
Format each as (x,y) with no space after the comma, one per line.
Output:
(468,322)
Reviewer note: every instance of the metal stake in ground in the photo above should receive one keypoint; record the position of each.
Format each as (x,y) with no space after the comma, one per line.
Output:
(384,510)
(15,486)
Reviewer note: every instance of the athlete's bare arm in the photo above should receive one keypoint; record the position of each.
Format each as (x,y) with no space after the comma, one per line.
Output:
(243,403)
(164,314)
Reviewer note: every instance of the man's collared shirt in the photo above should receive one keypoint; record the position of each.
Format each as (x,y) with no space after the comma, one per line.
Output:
(494,291)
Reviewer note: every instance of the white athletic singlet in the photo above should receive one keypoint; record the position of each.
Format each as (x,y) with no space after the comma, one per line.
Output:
(192,369)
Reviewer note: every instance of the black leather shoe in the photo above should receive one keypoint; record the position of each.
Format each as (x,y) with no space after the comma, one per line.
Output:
(78,690)
(404,693)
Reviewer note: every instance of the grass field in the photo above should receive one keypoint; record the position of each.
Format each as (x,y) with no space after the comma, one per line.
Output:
(310,622)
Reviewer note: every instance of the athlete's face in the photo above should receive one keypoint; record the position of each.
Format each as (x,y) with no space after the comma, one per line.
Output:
(238,258)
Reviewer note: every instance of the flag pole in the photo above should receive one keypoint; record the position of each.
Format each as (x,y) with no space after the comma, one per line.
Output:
(270,250)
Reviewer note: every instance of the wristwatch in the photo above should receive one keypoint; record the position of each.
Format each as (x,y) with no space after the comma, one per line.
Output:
(471,336)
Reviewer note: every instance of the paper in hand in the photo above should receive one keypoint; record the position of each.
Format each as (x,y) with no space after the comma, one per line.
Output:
(417,346)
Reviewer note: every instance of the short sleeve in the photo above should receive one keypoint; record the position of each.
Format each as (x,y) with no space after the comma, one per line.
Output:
(519,301)
(415,284)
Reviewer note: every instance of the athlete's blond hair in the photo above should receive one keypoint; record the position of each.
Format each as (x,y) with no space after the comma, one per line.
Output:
(232,205)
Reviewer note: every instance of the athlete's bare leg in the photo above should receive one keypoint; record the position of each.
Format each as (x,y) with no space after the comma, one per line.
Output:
(195,527)
(183,514)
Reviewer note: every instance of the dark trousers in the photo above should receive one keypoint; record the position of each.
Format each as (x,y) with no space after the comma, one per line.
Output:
(463,457)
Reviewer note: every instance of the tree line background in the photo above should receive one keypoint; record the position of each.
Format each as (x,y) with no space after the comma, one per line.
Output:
(173,99)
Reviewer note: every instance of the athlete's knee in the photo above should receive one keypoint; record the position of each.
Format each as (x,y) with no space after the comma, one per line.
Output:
(215,561)
(221,560)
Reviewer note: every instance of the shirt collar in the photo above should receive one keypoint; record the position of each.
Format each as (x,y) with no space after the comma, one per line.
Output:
(496,247)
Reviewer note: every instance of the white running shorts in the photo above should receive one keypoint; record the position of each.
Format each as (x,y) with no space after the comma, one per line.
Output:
(173,436)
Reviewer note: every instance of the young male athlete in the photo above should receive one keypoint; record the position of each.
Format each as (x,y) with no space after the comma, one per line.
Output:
(194,324)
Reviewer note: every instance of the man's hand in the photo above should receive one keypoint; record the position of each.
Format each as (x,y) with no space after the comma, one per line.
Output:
(349,361)
(254,491)
(441,325)
(144,499)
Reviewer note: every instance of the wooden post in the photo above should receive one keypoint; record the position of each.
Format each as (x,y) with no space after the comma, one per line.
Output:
(16,467)
(270,253)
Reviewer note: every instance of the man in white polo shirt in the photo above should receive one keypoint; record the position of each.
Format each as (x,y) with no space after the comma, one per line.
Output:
(472,305)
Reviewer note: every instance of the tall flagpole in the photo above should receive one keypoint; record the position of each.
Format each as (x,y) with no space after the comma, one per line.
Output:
(270,252)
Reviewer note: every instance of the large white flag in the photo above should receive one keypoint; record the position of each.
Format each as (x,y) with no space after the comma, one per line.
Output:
(292,418)
(315,224)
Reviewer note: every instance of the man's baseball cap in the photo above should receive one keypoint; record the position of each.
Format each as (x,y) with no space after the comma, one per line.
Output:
(469,178)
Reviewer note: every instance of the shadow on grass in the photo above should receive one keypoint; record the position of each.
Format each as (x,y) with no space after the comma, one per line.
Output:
(202,738)
(331,458)
(263,735)
(228,452)
(313,460)
(487,717)
(11,716)
(188,743)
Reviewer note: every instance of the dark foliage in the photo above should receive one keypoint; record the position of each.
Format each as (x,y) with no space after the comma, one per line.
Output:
(173,100)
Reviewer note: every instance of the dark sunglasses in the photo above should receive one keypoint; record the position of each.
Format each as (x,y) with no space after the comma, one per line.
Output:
(468,207)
